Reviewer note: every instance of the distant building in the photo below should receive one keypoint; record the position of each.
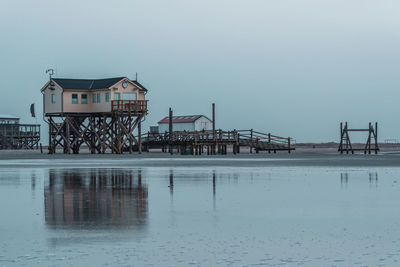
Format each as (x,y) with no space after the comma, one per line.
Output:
(186,123)
(14,135)
(8,119)
(89,95)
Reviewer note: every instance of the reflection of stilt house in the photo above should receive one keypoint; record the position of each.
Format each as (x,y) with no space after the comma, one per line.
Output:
(101,114)
(14,135)
(100,198)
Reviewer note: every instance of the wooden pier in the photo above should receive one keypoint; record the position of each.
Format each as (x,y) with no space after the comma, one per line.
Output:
(215,142)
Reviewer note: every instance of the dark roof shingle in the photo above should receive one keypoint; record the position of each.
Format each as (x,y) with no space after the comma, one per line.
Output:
(91,84)
(181,119)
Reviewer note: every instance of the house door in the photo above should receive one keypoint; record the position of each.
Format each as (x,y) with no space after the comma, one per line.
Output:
(129,96)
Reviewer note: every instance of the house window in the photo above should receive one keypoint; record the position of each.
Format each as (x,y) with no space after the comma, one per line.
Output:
(53,98)
(84,99)
(117,96)
(74,98)
(98,97)
(94,98)
(107,97)
(129,96)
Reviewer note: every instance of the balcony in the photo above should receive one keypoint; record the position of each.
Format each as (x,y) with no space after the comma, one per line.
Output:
(129,107)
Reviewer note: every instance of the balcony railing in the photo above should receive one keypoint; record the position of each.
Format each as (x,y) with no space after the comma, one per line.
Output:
(129,106)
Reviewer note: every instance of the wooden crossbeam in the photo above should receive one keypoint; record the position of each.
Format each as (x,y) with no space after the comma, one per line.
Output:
(345,143)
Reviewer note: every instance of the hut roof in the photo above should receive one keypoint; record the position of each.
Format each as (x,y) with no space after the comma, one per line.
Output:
(8,116)
(182,119)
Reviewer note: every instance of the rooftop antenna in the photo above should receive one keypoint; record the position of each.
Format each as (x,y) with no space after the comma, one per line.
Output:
(50,72)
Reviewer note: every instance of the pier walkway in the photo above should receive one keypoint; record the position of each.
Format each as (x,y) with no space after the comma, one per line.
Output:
(197,143)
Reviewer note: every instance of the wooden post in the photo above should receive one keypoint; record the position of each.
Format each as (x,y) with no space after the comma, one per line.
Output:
(92,134)
(341,138)
(170,131)
(251,141)
(238,143)
(50,134)
(130,129)
(370,131)
(213,129)
(376,138)
(103,134)
(289,145)
(347,141)
(67,146)
(140,135)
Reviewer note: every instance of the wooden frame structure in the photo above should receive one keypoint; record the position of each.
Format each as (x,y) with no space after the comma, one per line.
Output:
(371,144)
(100,132)
(19,136)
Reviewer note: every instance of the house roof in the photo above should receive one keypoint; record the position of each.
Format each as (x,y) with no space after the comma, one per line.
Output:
(182,119)
(8,116)
(139,85)
(92,84)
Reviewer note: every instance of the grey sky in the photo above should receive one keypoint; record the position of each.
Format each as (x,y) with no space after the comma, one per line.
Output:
(294,68)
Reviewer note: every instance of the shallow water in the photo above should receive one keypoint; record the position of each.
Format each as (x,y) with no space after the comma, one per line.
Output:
(200,216)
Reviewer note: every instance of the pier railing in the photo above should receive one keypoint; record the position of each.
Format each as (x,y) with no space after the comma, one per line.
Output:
(255,137)
(129,106)
(250,138)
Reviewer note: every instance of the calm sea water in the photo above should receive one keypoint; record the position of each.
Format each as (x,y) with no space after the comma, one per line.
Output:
(200,216)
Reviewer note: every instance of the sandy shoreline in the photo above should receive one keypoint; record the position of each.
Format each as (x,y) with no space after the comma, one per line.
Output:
(307,158)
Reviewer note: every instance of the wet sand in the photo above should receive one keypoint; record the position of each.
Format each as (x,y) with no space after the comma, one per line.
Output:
(301,157)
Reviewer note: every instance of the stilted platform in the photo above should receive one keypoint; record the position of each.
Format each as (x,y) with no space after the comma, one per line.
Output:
(100,132)
(371,144)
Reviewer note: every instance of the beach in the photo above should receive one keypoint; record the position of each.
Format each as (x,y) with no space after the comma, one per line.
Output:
(324,157)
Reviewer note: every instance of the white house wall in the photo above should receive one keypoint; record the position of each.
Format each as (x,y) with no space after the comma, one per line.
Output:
(182,126)
(203,123)
(200,124)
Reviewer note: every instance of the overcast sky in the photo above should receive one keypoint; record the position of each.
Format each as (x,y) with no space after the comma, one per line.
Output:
(293,68)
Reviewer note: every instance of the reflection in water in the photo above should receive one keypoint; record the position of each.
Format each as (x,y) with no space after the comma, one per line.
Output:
(214,190)
(344,179)
(203,177)
(171,182)
(95,198)
(214,175)
(373,179)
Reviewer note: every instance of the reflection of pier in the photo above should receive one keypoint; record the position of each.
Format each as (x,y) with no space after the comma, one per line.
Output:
(200,178)
(95,198)
(372,177)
